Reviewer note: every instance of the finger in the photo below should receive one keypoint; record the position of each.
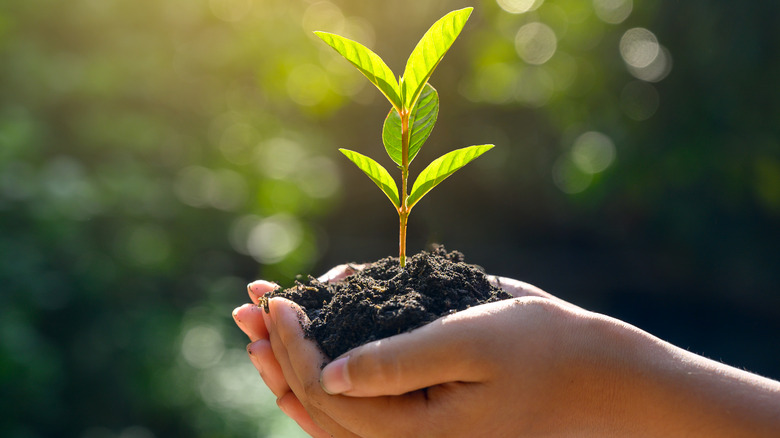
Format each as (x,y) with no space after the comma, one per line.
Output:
(446,350)
(519,288)
(292,407)
(301,370)
(262,357)
(258,288)
(286,332)
(249,319)
(340,272)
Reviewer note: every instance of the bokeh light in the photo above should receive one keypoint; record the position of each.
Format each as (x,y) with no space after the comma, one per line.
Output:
(613,11)
(237,141)
(593,152)
(202,346)
(658,69)
(536,43)
(568,177)
(223,189)
(519,6)
(534,87)
(324,15)
(318,177)
(273,238)
(639,47)
(308,84)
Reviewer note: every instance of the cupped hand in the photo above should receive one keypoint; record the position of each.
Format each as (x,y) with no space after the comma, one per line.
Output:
(277,352)
(534,365)
(252,320)
(466,374)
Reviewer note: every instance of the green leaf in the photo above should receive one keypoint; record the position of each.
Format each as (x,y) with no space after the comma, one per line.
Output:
(377,173)
(429,52)
(368,62)
(421,121)
(441,168)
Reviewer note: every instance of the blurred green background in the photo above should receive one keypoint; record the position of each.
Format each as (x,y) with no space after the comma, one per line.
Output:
(155,156)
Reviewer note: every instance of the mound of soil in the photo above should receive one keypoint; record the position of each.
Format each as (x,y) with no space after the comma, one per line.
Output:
(383,299)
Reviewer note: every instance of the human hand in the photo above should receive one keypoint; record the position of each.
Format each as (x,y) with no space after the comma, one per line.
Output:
(272,366)
(254,323)
(535,365)
(251,319)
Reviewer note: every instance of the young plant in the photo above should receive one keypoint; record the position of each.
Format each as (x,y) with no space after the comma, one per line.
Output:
(415,107)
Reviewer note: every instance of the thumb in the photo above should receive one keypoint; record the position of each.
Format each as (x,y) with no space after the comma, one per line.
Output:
(449,349)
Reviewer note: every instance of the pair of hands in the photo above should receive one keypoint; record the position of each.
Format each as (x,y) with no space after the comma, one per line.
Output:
(460,375)
(531,366)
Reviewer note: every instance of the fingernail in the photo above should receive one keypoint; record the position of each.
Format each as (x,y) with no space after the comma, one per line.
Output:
(238,310)
(251,288)
(258,288)
(235,314)
(335,377)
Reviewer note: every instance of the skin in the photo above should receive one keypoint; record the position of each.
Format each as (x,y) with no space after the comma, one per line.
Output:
(532,366)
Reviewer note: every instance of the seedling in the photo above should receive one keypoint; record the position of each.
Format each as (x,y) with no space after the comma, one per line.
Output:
(415,108)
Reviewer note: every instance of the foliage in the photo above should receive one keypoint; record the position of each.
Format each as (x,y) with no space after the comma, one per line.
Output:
(410,122)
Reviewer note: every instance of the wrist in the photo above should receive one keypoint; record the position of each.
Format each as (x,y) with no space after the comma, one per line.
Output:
(630,383)
(609,374)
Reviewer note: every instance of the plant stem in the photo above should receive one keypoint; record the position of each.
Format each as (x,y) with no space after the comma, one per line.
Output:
(403,211)
(402,239)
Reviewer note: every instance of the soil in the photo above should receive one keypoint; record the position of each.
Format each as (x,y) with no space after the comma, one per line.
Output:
(384,299)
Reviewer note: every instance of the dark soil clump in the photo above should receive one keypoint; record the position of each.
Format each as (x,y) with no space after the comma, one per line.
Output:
(383,299)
